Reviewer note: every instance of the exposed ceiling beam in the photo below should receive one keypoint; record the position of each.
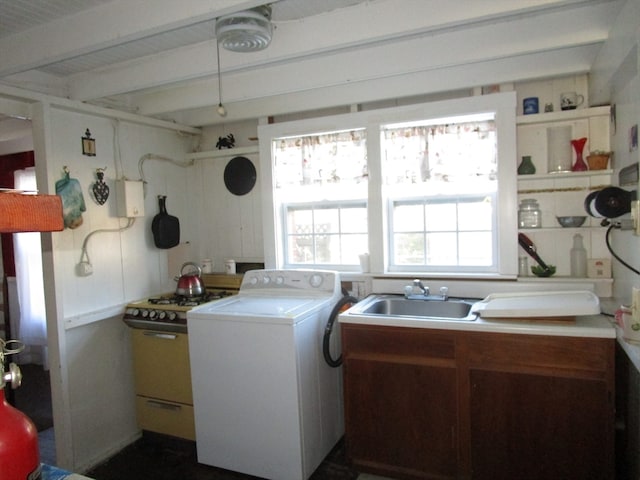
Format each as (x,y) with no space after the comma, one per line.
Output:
(105,26)
(381,60)
(346,28)
(458,77)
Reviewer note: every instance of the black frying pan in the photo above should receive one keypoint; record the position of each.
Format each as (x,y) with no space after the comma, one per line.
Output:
(165,227)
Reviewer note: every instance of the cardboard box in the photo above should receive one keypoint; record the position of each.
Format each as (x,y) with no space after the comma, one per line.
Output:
(599,268)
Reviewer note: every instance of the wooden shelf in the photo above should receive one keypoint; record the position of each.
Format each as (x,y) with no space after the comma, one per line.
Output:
(563,115)
(552,176)
(562,229)
(228,152)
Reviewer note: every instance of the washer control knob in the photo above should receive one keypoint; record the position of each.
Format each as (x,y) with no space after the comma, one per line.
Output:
(266,280)
(279,280)
(316,280)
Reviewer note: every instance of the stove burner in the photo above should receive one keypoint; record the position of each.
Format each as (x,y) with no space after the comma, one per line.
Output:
(183,301)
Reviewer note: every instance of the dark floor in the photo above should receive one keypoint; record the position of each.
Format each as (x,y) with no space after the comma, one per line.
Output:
(33,397)
(153,456)
(165,458)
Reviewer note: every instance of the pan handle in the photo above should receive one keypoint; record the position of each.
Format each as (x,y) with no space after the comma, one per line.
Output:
(529,247)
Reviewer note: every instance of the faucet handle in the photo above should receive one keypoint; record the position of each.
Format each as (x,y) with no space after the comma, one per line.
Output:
(444,291)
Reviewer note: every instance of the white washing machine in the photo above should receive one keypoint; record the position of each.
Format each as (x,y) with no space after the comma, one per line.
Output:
(266,402)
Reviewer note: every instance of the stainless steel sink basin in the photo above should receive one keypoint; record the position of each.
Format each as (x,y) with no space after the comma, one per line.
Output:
(399,306)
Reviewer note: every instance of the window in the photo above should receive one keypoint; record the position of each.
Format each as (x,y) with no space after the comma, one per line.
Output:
(422,188)
(321,184)
(441,179)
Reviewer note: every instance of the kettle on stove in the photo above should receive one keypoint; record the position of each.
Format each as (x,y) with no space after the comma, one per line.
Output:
(190,284)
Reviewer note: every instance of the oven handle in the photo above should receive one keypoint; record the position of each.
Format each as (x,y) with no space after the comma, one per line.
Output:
(164,336)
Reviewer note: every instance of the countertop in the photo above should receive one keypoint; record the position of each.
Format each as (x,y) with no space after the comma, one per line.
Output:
(597,326)
(631,347)
(526,313)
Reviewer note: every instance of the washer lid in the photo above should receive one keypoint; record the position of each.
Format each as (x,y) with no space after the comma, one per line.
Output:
(252,307)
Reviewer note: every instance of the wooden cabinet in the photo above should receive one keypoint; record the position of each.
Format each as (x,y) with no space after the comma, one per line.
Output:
(401,401)
(435,404)
(164,401)
(541,407)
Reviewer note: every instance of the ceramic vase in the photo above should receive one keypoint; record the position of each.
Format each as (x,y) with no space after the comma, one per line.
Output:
(526,167)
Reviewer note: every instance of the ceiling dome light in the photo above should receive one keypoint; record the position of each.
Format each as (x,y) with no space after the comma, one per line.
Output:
(246,31)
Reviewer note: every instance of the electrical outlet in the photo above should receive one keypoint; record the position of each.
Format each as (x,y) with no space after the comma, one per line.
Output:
(84,269)
(635,216)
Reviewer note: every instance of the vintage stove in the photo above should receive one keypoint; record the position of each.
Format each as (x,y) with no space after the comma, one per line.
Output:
(168,312)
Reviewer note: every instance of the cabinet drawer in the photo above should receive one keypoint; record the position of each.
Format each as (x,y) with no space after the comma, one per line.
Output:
(407,342)
(168,418)
(570,353)
(161,365)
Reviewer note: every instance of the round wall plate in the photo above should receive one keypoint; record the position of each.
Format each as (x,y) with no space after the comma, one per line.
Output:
(240,175)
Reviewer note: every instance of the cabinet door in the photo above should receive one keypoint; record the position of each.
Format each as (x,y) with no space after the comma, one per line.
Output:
(161,365)
(533,426)
(401,418)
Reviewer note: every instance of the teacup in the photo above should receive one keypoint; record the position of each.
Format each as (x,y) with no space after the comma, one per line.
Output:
(570,100)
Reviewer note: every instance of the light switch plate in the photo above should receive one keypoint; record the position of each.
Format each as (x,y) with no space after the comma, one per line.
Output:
(635,215)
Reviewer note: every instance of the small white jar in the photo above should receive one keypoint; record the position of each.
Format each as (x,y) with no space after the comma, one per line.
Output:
(230,267)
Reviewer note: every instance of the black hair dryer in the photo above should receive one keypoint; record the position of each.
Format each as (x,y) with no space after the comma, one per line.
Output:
(610,202)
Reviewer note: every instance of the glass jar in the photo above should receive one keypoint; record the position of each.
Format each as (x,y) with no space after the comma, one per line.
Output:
(529,214)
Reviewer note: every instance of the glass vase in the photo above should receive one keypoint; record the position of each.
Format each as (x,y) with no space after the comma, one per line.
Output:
(578,146)
(559,152)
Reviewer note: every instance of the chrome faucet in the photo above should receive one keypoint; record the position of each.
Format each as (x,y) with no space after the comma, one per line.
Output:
(418,284)
(410,292)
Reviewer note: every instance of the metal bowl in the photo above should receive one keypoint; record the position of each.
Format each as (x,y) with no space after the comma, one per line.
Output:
(572,221)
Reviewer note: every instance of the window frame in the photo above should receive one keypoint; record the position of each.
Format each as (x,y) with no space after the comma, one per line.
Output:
(502,105)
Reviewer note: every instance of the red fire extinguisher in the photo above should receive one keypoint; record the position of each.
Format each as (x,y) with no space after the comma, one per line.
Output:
(19,455)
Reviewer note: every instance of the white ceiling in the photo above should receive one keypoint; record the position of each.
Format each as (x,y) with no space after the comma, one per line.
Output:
(157,57)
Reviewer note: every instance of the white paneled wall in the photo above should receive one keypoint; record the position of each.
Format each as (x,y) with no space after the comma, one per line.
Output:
(230,226)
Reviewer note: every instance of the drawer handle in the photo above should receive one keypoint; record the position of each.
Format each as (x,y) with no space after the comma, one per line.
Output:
(164,336)
(163,405)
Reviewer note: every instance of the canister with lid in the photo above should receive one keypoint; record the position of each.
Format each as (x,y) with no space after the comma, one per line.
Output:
(529,214)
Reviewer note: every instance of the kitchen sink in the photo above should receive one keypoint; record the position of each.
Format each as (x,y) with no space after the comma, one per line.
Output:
(399,306)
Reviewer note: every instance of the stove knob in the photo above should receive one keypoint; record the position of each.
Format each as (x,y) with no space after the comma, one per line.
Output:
(152,314)
(171,315)
(144,313)
(134,312)
(162,314)
(266,280)
(253,280)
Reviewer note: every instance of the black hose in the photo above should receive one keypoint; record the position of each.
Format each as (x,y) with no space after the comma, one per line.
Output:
(334,363)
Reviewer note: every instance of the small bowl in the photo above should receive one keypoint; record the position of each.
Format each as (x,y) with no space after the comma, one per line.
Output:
(572,221)
(538,271)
